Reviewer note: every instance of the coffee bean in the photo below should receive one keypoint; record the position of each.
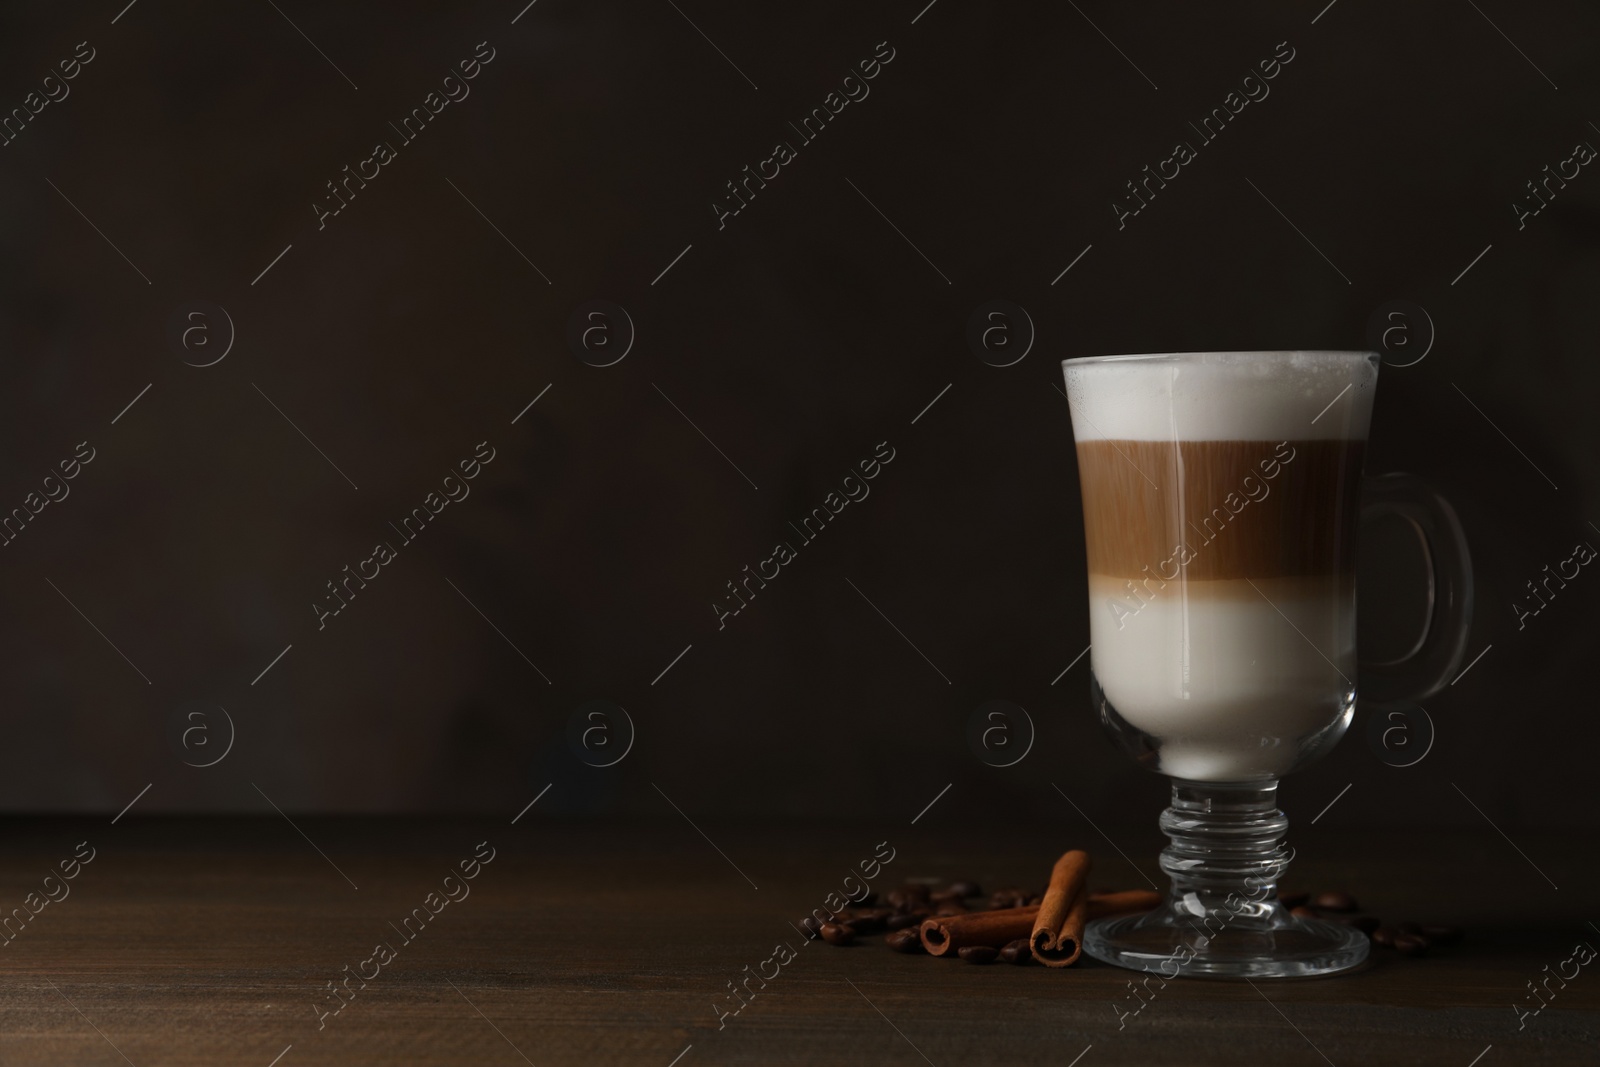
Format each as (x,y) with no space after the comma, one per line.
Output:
(1411,944)
(1293,898)
(950,909)
(810,926)
(1007,898)
(906,900)
(977,954)
(907,940)
(901,922)
(1442,935)
(1335,900)
(966,889)
(836,934)
(1018,952)
(869,920)
(1033,899)
(1303,912)
(863,923)
(1384,935)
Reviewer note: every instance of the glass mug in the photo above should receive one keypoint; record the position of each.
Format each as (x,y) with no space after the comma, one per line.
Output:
(1221,500)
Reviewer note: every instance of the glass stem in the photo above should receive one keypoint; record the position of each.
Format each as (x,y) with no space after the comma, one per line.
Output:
(1226,854)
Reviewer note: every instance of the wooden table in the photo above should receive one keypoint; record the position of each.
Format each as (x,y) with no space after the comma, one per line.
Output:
(211,942)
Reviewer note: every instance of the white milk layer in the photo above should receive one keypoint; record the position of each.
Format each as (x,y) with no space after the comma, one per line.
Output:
(1222,396)
(1226,676)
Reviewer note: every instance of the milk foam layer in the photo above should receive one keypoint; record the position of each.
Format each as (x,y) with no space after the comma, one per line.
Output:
(1227,677)
(1222,396)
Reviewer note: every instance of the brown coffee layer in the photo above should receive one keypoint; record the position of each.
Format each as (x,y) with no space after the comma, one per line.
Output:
(1220,509)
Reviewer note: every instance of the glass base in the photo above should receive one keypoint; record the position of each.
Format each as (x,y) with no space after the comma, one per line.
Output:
(1174,945)
(1221,918)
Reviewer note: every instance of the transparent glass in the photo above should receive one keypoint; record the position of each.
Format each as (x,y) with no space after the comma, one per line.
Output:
(1222,494)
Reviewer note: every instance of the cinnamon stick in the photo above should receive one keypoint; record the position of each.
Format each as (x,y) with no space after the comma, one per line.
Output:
(1001,927)
(946,935)
(1063,948)
(1057,934)
(1121,902)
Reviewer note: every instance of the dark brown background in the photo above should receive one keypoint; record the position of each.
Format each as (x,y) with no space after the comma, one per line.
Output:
(797,338)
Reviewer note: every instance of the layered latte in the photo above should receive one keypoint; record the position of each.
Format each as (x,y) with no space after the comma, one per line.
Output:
(1220,503)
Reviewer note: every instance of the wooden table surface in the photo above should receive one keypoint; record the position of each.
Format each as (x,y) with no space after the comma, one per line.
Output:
(211,942)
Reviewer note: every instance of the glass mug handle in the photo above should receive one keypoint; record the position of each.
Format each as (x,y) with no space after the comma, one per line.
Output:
(1441,646)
